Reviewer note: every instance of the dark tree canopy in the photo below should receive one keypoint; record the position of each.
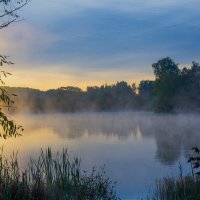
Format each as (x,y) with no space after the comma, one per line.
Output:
(173,90)
(166,84)
(70,89)
(176,89)
(145,87)
(165,67)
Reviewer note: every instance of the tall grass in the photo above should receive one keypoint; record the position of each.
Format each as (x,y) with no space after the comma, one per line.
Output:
(52,177)
(183,187)
(170,188)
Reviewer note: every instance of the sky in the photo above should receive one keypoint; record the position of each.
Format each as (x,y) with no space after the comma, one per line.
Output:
(90,42)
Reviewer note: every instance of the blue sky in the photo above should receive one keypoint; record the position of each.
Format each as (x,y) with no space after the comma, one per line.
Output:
(91,42)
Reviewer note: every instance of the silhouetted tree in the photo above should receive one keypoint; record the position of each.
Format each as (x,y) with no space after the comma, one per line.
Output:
(173,90)
(188,94)
(70,89)
(145,94)
(166,84)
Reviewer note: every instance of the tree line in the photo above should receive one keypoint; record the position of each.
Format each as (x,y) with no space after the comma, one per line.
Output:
(174,89)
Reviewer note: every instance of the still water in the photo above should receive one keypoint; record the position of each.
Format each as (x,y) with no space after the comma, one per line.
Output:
(136,148)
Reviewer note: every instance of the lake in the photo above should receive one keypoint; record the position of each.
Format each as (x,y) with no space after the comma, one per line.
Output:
(136,148)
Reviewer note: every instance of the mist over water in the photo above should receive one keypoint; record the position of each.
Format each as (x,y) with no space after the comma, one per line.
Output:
(135,147)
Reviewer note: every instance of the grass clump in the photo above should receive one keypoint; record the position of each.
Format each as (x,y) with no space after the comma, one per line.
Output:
(182,187)
(53,176)
(170,188)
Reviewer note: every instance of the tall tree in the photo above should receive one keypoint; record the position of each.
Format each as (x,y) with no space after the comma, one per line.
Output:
(145,94)
(189,95)
(166,84)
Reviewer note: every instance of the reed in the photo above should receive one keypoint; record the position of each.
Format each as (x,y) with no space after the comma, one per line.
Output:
(52,176)
(182,187)
(170,188)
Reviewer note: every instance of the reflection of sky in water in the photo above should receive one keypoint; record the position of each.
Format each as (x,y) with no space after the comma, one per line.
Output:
(136,148)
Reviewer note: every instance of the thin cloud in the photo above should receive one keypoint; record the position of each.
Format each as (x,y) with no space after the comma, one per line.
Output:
(98,36)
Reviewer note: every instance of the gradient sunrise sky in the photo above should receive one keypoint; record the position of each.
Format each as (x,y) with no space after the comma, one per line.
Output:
(93,42)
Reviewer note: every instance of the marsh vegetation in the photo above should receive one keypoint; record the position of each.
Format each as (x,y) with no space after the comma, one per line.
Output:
(185,187)
(52,177)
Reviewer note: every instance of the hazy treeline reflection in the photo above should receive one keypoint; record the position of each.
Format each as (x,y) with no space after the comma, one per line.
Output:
(172,133)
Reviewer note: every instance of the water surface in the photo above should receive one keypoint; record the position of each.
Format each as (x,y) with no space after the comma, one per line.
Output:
(136,148)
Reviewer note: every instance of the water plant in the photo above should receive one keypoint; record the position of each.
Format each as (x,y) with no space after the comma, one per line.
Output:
(183,187)
(53,176)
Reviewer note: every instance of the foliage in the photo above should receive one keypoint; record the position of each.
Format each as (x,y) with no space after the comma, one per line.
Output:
(170,188)
(166,84)
(145,94)
(52,177)
(188,94)
(8,127)
(173,90)
(165,67)
(119,96)
(194,160)
(183,187)
(176,89)
(8,14)
(70,89)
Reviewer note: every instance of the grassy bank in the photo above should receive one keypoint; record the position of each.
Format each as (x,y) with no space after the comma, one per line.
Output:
(52,176)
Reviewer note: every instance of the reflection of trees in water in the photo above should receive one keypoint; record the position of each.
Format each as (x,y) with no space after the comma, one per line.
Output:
(168,140)
(76,125)
(172,133)
(101,124)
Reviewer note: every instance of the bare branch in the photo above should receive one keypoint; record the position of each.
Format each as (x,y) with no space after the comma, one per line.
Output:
(9,11)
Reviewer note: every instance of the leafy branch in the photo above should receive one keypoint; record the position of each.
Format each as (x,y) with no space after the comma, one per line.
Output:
(8,127)
(194,160)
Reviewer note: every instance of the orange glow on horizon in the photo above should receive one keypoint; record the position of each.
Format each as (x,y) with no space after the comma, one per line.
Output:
(52,79)
(46,85)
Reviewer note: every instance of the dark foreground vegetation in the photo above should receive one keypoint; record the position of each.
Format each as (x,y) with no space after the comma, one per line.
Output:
(173,90)
(52,177)
(183,187)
